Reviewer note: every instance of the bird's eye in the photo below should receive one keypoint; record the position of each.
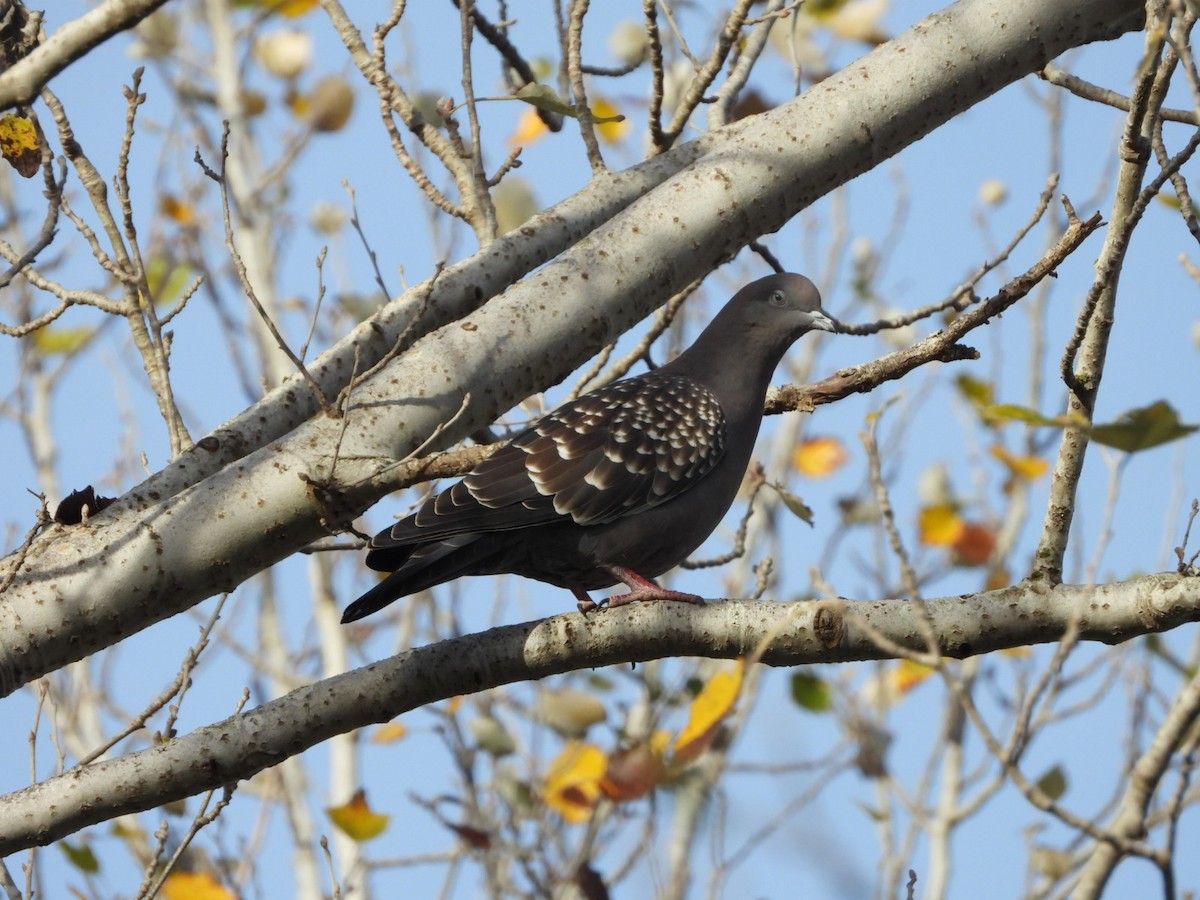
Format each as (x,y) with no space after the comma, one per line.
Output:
(777,298)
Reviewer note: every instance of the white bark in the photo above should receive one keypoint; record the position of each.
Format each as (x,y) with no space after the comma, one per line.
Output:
(808,632)
(21,82)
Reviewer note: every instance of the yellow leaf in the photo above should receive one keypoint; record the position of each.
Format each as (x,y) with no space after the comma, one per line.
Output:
(294,9)
(179,210)
(530,128)
(194,886)
(614,130)
(573,783)
(389,733)
(940,525)
(357,820)
(708,710)
(50,340)
(19,144)
(454,704)
(906,675)
(1027,467)
(1017,652)
(819,457)
(660,741)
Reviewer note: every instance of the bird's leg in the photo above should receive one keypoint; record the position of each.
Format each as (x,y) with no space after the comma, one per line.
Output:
(643,589)
(585,603)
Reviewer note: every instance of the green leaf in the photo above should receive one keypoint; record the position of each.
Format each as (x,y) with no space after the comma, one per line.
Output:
(544,97)
(811,692)
(598,682)
(976,390)
(795,505)
(81,857)
(51,340)
(1141,429)
(167,279)
(1033,417)
(1054,783)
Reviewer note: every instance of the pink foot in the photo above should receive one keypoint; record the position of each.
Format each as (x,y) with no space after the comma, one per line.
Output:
(639,589)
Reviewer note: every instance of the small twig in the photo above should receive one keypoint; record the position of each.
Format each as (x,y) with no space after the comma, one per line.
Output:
(964,295)
(437,432)
(705,75)
(1188,567)
(657,75)
(11,891)
(739,541)
(202,819)
(244,277)
(312,325)
(587,129)
(612,72)
(513,60)
(178,686)
(54,197)
(683,44)
(908,575)
(41,522)
(333,882)
(512,161)
(481,208)
(662,321)
(941,345)
(748,55)
(1088,91)
(358,229)
(1123,231)
(188,293)
(768,257)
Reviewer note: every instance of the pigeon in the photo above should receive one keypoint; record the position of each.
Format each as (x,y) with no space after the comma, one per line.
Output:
(619,485)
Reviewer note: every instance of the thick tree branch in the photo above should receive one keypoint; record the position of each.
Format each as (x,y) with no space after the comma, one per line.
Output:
(809,632)
(22,82)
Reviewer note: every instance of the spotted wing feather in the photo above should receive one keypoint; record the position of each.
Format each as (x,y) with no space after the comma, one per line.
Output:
(626,447)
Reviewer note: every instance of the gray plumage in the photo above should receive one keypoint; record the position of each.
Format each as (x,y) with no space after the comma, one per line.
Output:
(619,485)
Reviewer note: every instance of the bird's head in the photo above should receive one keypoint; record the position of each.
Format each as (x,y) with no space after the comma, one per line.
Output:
(788,305)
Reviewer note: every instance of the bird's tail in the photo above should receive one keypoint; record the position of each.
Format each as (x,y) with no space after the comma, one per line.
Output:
(428,565)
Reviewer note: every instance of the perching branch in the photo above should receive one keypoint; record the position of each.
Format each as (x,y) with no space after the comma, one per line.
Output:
(815,631)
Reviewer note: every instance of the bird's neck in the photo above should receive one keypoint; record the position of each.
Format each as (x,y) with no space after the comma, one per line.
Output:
(739,379)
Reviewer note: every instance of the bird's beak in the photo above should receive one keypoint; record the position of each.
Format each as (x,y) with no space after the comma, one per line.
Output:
(821,321)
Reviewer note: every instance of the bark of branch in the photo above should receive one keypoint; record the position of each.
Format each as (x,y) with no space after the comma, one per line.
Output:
(808,632)
(22,82)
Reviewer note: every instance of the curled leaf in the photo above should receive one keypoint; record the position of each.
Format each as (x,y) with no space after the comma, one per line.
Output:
(1141,429)
(573,783)
(819,457)
(357,820)
(19,144)
(708,710)
(544,97)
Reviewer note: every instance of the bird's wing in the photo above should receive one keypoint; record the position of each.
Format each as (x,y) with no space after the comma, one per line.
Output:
(623,448)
